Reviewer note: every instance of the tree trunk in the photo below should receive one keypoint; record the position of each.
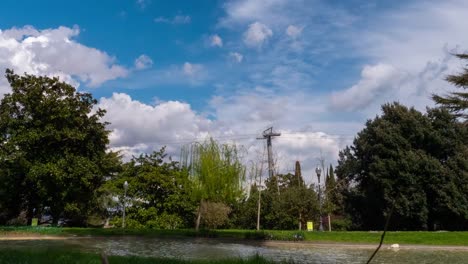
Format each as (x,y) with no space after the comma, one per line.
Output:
(197,223)
(300,221)
(258,209)
(329,223)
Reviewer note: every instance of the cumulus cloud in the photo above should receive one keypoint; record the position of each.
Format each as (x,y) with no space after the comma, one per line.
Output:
(375,81)
(137,126)
(236,57)
(294,31)
(141,128)
(143,62)
(178,19)
(257,34)
(216,41)
(56,52)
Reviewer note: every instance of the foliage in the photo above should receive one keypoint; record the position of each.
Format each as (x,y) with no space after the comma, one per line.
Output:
(214,214)
(330,203)
(52,151)
(158,193)
(418,162)
(456,102)
(291,208)
(216,173)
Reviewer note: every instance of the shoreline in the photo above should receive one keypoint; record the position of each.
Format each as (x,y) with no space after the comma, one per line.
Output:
(264,243)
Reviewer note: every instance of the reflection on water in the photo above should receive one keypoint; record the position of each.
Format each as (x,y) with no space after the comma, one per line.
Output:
(212,249)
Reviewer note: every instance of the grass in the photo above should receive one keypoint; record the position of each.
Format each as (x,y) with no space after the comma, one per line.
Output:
(56,256)
(403,237)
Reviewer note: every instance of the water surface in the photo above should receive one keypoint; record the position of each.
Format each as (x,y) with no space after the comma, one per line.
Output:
(215,249)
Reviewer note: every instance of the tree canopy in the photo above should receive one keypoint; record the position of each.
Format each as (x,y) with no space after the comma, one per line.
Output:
(419,162)
(53,148)
(216,172)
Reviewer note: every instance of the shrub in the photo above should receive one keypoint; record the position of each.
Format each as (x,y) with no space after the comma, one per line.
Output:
(214,214)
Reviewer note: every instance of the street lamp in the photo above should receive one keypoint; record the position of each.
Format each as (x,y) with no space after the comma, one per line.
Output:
(124,202)
(318,170)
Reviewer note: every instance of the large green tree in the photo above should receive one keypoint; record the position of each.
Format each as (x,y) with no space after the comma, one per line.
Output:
(52,150)
(456,102)
(158,192)
(416,162)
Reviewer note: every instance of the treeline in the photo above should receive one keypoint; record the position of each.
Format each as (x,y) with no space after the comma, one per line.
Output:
(55,162)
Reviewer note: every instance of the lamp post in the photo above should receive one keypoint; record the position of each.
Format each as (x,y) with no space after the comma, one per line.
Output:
(318,170)
(124,202)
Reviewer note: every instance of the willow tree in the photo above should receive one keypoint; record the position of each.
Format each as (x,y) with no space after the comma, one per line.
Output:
(216,173)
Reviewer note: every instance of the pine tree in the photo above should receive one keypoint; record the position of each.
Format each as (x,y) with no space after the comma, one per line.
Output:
(456,102)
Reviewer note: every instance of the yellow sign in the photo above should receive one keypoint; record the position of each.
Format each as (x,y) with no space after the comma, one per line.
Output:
(310,226)
(34,222)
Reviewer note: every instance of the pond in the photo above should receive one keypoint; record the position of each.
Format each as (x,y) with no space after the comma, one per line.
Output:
(216,249)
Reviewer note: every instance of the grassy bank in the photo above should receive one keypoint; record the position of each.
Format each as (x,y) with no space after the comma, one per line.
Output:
(67,257)
(417,238)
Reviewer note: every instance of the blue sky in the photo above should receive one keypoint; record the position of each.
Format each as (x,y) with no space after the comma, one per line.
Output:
(173,72)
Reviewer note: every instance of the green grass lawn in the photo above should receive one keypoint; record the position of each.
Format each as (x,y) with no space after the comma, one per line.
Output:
(403,237)
(56,256)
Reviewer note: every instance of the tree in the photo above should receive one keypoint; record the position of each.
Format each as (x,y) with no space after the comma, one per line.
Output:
(52,150)
(330,197)
(159,190)
(416,162)
(293,206)
(216,173)
(456,102)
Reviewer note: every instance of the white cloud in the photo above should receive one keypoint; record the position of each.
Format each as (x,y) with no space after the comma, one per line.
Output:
(138,128)
(375,81)
(236,57)
(248,11)
(143,3)
(294,31)
(412,49)
(141,127)
(298,116)
(216,41)
(178,19)
(257,34)
(56,52)
(143,62)
(191,69)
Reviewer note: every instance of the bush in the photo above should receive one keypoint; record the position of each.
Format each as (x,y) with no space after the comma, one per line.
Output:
(20,220)
(165,221)
(214,214)
(129,223)
(341,224)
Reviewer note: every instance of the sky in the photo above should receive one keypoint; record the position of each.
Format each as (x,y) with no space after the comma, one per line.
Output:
(170,73)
